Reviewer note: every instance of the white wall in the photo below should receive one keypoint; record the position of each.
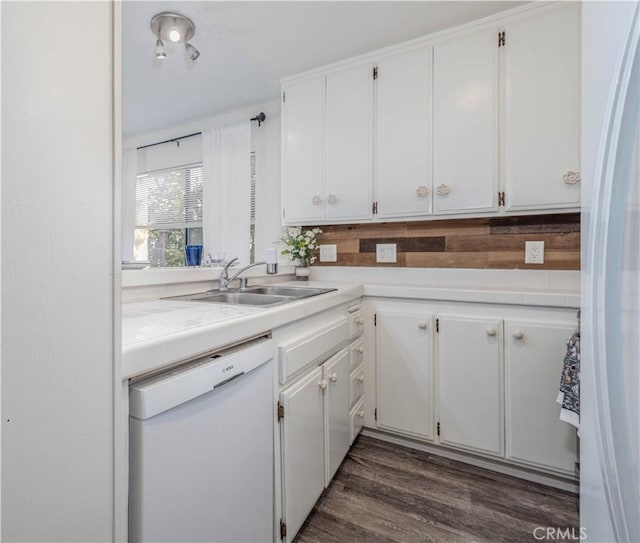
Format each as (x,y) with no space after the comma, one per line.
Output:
(57,272)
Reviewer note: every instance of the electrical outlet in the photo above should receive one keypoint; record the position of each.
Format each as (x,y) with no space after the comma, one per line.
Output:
(386,252)
(328,253)
(534,252)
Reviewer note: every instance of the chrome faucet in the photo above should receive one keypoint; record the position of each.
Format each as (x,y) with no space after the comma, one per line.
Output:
(224,279)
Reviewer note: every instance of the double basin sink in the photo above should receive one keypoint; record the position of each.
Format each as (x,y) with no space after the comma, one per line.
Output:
(263,296)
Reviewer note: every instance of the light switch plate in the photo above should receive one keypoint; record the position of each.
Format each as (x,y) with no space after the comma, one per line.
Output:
(328,253)
(534,252)
(386,252)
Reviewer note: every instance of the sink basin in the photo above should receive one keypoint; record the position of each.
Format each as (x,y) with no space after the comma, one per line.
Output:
(295,292)
(262,296)
(241,298)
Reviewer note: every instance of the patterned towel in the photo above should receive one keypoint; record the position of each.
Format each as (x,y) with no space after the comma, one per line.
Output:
(569,395)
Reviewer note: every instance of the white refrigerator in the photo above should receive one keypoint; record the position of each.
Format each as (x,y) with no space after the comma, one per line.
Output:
(610,379)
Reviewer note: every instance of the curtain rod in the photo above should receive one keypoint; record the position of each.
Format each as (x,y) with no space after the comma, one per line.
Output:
(259,118)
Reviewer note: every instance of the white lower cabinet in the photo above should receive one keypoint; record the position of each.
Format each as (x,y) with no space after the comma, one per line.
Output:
(470,383)
(497,373)
(320,409)
(302,447)
(404,346)
(336,372)
(532,351)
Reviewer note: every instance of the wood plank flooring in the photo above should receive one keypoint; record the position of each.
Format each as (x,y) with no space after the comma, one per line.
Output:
(388,493)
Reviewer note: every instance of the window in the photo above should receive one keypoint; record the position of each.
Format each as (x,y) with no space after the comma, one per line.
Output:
(168,214)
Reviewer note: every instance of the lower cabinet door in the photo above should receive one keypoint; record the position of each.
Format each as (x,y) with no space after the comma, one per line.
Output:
(404,348)
(471,384)
(534,353)
(303,446)
(336,374)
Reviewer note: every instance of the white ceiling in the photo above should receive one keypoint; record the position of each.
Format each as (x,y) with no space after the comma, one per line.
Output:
(246,47)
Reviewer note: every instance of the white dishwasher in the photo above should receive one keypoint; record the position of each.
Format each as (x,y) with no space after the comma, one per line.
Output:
(201,450)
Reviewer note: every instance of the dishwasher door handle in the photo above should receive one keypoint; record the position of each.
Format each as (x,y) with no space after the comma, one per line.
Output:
(222,383)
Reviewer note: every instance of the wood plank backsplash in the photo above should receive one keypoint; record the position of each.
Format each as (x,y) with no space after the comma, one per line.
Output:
(460,243)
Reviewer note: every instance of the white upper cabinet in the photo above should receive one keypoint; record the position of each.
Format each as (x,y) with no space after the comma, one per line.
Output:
(348,143)
(403,133)
(465,123)
(542,110)
(302,135)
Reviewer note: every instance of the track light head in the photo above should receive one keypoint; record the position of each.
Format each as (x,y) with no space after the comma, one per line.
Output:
(159,50)
(192,52)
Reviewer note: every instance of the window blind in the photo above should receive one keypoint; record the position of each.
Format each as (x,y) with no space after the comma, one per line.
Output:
(170,199)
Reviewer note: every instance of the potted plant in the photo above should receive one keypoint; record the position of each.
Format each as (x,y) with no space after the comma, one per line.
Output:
(301,247)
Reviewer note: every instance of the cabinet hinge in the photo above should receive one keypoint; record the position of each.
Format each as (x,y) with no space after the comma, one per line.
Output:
(437,325)
(283,529)
(375,72)
(438,429)
(375,319)
(280,411)
(500,199)
(374,208)
(375,414)
(283,97)
(283,213)
(501,39)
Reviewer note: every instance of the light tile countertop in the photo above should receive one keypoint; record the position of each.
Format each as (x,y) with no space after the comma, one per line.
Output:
(160,333)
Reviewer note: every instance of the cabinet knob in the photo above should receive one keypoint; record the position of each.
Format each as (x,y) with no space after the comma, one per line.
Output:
(316,200)
(422,325)
(517,334)
(359,321)
(333,377)
(571,177)
(422,191)
(360,349)
(361,414)
(443,189)
(332,199)
(491,332)
(322,384)
(361,378)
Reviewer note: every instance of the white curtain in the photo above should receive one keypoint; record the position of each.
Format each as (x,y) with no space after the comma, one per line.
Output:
(129,172)
(226,198)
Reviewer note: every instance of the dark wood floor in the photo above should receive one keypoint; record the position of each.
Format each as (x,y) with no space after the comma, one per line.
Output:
(387,493)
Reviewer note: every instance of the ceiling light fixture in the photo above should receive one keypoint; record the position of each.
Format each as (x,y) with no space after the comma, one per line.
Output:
(175,28)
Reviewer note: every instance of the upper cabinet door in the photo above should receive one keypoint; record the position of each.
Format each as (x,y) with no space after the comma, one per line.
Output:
(348,143)
(465,117)
(302,134)
(403,133)
(542,110)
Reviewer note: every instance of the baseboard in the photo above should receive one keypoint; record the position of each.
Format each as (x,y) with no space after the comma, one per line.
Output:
(563,483)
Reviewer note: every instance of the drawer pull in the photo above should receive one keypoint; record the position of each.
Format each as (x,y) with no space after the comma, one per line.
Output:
(322,384)
(316,200)
(571,177)
(333,377)
(422,191)
(443,189)
(332,199)
(360,378)
(361,414)
(422,325)
(359,321)
(360,349)
(491,332)
(517,334)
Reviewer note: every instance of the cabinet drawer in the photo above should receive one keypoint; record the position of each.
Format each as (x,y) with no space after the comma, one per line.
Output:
(356,323)
(357,386)
(318,343)
(356,354)
(357,420)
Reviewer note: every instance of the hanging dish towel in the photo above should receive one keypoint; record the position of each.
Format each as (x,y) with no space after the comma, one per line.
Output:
(569,395)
